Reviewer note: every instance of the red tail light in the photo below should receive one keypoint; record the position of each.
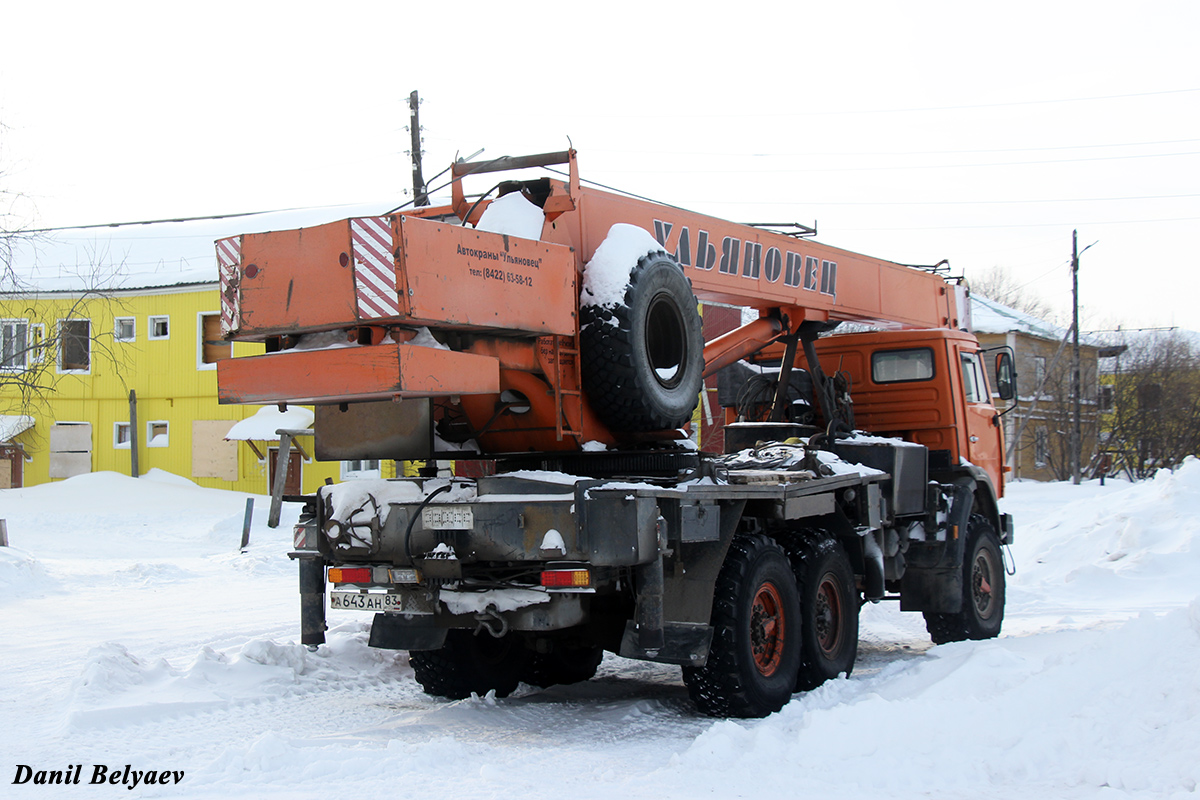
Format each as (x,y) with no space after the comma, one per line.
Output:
(567,578)
(356,575)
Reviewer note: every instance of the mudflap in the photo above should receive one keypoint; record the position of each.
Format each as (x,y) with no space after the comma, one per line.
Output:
(684,643)
(393,632)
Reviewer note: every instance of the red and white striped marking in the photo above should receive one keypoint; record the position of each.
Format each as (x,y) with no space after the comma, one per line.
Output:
(374,271)
(229,263)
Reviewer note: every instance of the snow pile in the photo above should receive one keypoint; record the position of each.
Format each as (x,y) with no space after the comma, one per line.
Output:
(607,274)
(1140,541)
(513,215)
(20,573)
(117,687)
(264,423)
(357,502)
(499,599)
(1105,708)
(163,647)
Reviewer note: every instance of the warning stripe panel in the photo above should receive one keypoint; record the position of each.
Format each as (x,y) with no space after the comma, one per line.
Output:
(374,272)
(229,262)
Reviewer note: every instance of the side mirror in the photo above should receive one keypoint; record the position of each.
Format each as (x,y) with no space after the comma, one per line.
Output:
(1006,376)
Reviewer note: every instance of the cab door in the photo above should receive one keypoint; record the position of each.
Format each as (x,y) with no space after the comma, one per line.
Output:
(984,439)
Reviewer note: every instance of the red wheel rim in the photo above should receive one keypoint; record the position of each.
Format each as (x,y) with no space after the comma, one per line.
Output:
(766,629)
(828,616)
(982,575)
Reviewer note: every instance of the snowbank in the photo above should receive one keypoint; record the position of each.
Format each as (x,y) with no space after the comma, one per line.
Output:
(164,647)
(1096,709)
(1139,542)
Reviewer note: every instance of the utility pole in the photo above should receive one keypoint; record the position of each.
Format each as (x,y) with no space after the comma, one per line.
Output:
(420,195)
(1077,427)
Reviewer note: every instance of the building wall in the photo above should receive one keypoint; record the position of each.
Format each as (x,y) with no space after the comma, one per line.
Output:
(172,384)
(1050,418)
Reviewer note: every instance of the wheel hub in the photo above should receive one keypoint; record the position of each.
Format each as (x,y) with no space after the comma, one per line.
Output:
(766,629)
(981,585)
(828,616)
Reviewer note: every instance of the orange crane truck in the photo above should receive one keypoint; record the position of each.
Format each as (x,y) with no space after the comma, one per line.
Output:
(550,331)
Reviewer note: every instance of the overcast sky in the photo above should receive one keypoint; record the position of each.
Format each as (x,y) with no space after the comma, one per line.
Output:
(978,132)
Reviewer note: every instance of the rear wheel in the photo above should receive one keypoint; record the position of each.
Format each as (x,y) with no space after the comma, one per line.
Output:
(755,652)
(563,664)
(982,612)
(470,663)
(829,604)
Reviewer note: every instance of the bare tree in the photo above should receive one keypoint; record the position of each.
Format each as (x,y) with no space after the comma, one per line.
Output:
(998,283)
(1156,403)
(35,351)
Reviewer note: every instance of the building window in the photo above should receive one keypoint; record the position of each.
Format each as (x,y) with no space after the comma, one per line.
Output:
(121,436)
(75,345)
(1106,397)
(212,348)
(14,344)
(160,327)
(1041,447)
(125,329)
(158,434)
(362,468)
(1039,371)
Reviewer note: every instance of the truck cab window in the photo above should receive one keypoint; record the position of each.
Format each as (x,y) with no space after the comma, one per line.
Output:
(974,387)
(895,366)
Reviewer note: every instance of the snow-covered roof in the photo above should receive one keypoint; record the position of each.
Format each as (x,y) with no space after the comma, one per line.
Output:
(988,316)
(14,424)
(147,256)
(267,420)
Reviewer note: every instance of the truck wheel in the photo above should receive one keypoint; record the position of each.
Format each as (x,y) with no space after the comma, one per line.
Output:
(468,663)
(755,651)
(829,607)
(983,590)
(562,665)
(642,361)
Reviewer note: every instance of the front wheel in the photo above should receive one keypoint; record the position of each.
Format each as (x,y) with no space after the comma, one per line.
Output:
(755,652)
(982,611)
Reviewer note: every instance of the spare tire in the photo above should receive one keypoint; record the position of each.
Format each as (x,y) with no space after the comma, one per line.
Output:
(643,359)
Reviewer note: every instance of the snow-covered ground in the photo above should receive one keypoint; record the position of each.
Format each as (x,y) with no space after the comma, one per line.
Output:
(136,634)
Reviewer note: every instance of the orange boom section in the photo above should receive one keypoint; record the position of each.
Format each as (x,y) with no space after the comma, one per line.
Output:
(489,326)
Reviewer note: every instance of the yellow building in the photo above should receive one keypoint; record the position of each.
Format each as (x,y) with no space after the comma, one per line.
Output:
(88,351)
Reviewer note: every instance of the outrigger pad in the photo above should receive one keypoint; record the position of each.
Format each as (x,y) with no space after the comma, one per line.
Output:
(393,632)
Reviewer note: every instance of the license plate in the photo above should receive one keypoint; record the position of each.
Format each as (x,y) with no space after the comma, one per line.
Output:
(374,601)
(448,518)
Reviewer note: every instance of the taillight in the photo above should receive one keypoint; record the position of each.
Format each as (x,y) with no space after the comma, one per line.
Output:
(355,575)
(566,578)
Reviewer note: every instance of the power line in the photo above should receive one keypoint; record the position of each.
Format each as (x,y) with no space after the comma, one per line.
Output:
(210,217)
